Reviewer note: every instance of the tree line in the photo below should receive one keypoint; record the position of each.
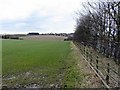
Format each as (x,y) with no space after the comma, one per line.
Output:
(99,27)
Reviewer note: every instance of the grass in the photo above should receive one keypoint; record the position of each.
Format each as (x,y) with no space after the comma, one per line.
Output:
(24,55)
(44,63)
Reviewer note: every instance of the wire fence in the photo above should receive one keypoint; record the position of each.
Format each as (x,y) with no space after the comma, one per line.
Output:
(107,70)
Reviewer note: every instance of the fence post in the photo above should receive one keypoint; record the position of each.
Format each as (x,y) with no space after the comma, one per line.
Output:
(84,51)
(97,63)
(87,54)
(119,76)
(108,71)
(80,47)
(91,58)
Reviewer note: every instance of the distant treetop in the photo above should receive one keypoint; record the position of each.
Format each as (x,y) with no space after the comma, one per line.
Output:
(33,33)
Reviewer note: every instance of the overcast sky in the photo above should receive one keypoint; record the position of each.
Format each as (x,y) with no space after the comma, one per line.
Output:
(43,16)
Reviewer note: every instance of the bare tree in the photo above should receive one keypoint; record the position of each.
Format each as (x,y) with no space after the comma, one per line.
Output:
(100,27)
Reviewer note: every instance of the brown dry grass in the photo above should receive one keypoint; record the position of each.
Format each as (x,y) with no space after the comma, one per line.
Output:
(102,64)
(44,37)
(90,78)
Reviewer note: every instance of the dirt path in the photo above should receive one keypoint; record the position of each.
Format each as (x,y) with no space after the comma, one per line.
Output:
(90,78)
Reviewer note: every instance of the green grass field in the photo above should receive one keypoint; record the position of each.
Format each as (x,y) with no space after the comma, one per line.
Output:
(43,63)
(19,56)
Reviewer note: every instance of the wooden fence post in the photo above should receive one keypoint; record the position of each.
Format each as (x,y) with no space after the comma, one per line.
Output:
(84,50)
(119,76)
(91,58)
(108,71)
(87,54)
(97,63)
